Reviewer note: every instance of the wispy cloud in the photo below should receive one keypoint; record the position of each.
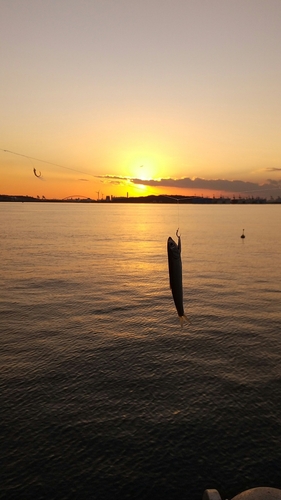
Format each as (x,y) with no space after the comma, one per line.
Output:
(113,179)
(273,169)
(84,180)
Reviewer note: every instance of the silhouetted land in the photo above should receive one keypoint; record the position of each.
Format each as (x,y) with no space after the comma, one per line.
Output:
(144,199)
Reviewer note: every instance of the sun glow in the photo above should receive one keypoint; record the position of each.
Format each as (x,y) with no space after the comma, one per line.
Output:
(144,163)
(143,169)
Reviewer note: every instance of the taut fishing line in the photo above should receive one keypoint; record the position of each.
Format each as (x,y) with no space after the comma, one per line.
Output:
(48,162)
(178,203)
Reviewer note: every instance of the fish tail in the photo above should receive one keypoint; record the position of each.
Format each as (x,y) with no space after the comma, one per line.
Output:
(183,318)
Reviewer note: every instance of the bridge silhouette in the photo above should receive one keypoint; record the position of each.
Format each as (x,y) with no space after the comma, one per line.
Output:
(76,197)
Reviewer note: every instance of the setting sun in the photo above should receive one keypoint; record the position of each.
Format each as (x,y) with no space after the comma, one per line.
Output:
(143,169)
(109,112)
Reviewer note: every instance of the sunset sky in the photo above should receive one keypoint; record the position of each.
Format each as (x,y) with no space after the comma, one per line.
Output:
(140,96)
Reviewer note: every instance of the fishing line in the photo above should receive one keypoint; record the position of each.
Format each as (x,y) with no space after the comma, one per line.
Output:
(38,175)
(257,190)
(178,205)
(48,162)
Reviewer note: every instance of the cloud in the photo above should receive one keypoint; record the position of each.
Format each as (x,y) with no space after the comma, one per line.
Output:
(273,182)
(113,179)
(221,185)
(215,185)
(115,183)
(85,180)
(273,169)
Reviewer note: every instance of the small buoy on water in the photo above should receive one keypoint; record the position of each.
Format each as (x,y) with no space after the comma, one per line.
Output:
(243,235)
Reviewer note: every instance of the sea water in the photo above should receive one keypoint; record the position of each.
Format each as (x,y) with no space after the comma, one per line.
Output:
(103,395)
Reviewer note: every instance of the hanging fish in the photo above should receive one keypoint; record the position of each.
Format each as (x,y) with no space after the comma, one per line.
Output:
(36,174)
(175,274)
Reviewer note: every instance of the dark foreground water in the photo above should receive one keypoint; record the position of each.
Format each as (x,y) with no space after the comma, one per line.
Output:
(103,395)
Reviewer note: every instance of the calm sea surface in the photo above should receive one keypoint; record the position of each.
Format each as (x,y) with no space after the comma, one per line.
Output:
(103,395)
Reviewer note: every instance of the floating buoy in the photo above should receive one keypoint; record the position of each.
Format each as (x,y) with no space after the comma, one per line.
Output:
(243,235)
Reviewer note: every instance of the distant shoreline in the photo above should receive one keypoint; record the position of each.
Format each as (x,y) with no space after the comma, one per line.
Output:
(164,199)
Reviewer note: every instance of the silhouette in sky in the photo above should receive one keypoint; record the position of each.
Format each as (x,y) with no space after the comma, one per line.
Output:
(36,174)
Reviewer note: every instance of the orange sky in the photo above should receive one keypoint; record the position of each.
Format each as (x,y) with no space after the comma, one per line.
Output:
(104,92)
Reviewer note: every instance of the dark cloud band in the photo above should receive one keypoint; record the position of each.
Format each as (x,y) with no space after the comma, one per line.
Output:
(221,185)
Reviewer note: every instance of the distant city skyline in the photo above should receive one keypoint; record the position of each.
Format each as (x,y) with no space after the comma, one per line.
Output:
(145,97)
